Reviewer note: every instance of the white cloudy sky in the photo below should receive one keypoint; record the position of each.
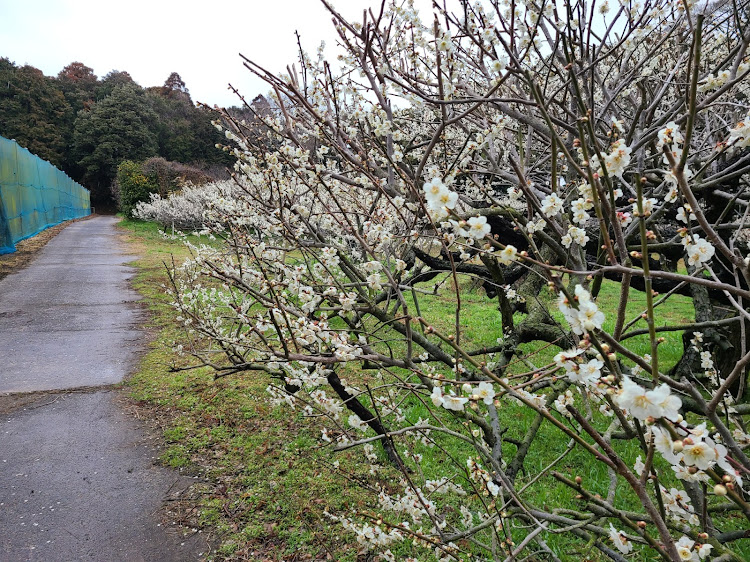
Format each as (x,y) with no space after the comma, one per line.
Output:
(152,38)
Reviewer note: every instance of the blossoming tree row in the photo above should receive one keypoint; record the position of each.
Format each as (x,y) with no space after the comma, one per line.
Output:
(541,151)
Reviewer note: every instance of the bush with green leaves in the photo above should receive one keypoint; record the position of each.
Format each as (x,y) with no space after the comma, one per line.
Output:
(132,186)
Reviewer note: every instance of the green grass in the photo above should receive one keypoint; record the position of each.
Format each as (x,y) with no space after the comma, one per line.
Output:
(269,482)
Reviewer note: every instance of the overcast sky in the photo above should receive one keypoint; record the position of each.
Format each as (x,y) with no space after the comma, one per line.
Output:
(152,38)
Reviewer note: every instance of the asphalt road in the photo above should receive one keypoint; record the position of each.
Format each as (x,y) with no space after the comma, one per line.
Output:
(78,479)
(69,319)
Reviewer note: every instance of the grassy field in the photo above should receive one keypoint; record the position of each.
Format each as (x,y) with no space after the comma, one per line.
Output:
(268,482)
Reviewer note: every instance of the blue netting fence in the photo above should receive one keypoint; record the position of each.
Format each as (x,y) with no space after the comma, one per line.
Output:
(34,195)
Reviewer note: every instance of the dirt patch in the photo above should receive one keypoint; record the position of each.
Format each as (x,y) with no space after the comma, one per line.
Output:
(27,249)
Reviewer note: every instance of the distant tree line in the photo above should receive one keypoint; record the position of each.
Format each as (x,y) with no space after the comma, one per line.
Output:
(87,126)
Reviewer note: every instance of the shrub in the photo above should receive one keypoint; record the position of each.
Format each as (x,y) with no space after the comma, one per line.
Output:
(137,182)
(132,186)
(171,176)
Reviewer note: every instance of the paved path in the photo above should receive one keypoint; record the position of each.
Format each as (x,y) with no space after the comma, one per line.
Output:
(68,320)
(77,475)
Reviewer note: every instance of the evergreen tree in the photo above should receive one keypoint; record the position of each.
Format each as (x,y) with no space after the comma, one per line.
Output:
(175,88)
(119,127)
(185,132)
(78,82)
(33,111)
(112,80)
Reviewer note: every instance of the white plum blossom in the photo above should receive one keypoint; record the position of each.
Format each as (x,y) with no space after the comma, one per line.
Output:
(566,359)
(508,255)
(639,467)
(564,400)
(644,404)
(358,185)
(537,225)
(620,540)
(453,402)
(669,135)
(624,218)
(679,506)
(478,227)
(348,300)
(683,473)
(552,205)
(586,317)
(685,214)
(618,158)
(699,250)
(664,444)
(649,203)
(498,65)
(580,208)
(485,392)
(714,81)
(437,396)
(699,454)
(589,316)
(329,257)
(685,549)
(575,234)
(739,135)
(447,401)
(439,198)
(588,373)
(704,550)
(374,281)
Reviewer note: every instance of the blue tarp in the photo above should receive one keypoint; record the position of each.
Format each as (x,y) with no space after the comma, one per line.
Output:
(34,195)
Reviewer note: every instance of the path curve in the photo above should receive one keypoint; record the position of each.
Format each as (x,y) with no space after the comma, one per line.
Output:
(78,479)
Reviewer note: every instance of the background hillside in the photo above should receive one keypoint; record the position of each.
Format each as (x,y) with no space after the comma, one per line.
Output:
(88,125)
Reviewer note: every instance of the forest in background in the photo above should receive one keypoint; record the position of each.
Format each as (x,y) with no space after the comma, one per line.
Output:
(87,125)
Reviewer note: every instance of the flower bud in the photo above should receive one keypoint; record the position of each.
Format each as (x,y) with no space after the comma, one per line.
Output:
(579,479)
(677,446)
(720,490)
